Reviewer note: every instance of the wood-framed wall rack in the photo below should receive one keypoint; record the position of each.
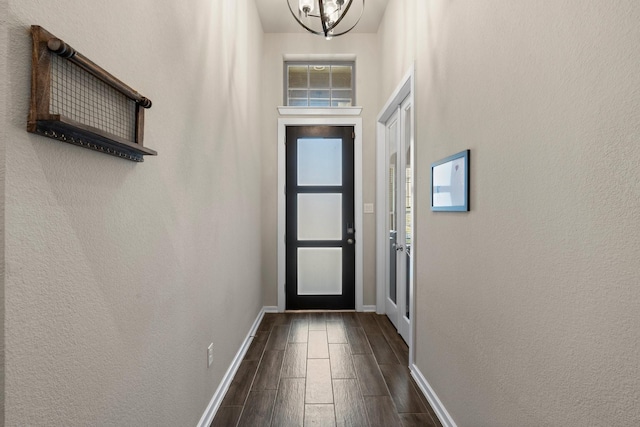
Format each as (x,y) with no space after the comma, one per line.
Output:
(76,101)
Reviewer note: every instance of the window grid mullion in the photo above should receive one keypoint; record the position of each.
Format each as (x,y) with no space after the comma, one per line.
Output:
(330,85)
(308,85)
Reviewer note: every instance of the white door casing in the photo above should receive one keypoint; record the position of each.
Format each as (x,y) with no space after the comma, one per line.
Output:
(399,105)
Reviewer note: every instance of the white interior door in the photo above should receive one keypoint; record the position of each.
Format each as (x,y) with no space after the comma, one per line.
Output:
(399,221)
(406,205)
(393,220)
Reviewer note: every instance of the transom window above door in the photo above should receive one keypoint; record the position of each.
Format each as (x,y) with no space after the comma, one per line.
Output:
(319,84)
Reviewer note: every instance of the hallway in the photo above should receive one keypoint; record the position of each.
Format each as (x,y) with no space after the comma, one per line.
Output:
(119,276)
(325,369)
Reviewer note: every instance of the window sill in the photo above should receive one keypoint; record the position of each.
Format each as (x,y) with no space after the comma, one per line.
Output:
(324,111)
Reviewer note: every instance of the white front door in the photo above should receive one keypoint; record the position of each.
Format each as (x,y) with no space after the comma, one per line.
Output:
(399,221)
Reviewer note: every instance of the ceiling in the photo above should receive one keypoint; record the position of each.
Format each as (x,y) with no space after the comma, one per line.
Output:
(276,17)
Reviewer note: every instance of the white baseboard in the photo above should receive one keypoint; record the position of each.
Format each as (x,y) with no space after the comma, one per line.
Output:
(369,308)
(216,400)
(435,403)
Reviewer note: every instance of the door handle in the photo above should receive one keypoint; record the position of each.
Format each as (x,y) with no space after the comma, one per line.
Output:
(350,241)
(399,248)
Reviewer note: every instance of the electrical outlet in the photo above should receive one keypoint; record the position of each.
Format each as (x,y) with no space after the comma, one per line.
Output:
(209,355)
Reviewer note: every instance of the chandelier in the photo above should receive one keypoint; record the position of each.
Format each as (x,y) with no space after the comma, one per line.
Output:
(327,18)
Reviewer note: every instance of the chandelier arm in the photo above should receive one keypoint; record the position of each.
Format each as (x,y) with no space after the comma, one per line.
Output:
(343,14)
(301,23)
(344,32)
(354,25)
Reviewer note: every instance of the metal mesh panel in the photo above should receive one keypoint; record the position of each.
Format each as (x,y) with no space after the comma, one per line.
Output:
(81,97)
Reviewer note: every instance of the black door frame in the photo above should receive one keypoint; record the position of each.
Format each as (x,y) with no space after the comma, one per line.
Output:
(347,242)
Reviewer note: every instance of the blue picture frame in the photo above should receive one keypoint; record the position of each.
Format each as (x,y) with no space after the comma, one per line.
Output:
(450,183)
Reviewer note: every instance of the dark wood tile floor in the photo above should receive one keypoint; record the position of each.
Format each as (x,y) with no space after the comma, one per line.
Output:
(325,369)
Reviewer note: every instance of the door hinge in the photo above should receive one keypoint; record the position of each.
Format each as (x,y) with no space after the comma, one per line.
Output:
(353,135)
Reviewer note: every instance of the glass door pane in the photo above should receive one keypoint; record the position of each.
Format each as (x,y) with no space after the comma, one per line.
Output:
(394,239)
(408,210)
(319,271)
(319,161)
(319,216)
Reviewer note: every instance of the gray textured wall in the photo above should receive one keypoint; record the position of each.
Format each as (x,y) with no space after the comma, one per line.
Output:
(119,275)
(528,309)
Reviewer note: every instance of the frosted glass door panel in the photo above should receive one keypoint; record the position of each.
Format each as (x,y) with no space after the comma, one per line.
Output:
(319,216)
(319,161)
(319,271)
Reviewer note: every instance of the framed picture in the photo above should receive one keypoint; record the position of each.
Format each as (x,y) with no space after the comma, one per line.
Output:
(450,183)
